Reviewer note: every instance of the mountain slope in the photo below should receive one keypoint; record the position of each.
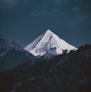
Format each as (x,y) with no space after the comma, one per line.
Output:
(12,55)
(45,42)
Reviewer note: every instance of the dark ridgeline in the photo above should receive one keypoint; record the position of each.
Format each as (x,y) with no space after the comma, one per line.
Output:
(69,72)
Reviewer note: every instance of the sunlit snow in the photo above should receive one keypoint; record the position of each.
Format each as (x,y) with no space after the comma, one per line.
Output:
(47,41)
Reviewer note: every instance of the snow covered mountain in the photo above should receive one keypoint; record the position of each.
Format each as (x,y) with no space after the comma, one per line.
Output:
(49,40)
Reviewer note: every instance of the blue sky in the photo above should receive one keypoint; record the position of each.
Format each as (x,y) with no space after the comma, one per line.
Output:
(23,20)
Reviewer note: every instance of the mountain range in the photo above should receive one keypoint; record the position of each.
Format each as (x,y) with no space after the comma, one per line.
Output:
(48,64)
(46,46)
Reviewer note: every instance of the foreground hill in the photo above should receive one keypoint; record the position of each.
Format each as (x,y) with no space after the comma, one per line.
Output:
(69,72)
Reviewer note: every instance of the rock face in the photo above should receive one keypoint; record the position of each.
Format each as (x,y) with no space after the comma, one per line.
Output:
(47,41)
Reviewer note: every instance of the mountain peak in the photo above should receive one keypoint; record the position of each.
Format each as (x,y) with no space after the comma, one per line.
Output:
(48,31)
(49,40)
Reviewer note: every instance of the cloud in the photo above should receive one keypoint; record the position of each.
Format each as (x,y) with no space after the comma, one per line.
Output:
(9,2)
(6,4)
(45,12)
(47,6)
(57,2)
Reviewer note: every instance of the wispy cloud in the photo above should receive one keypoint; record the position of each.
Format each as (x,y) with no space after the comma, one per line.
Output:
(5,4)
(47,6)
(45,12)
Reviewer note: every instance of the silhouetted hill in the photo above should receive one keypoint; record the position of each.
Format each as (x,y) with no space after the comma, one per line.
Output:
(69,72)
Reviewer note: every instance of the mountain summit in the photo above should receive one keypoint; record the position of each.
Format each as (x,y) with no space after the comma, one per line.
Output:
(48,41)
